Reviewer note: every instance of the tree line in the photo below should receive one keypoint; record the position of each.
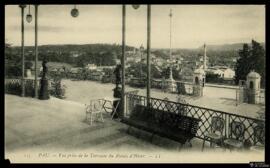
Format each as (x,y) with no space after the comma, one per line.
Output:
(251,57)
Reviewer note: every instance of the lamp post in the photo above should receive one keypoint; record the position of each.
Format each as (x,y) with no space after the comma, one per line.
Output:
(141,50)
(123,59)
(123,55)
(74,12)
(22,48)
(135,6)
(29,16)
(171,84)
(170,15)
(36,50)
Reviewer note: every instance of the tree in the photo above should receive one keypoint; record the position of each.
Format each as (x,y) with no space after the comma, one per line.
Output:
(258,60)
(28,65)
(211,77)
(242,66)
(12,62)
(175,72)
(250,58)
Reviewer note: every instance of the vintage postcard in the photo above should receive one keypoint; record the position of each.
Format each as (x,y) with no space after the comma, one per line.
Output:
(135,83)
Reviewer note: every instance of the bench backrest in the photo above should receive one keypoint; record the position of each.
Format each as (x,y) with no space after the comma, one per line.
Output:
(165,119)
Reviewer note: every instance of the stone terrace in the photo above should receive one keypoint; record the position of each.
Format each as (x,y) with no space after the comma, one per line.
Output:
(57,126)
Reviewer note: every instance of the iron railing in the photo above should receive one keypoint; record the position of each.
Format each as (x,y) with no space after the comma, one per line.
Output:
(13,86)
(205,114)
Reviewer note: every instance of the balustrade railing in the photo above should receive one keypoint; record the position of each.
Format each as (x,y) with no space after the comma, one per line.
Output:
(183,88)
(14,86)
(204,114)
(242,96)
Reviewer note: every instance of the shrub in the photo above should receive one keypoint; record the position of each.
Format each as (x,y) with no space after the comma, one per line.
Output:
(14,70)
(57,90)
(14,87)
(29,88)
(181,88)
(28,65)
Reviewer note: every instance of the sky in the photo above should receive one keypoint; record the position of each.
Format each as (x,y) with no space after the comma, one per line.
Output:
(192,25)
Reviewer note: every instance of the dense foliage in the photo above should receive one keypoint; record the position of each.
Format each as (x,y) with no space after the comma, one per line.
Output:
(14,87)
(213,78)
(57,89)
(250,58)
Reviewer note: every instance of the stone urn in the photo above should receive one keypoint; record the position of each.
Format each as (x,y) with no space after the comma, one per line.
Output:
(28,73)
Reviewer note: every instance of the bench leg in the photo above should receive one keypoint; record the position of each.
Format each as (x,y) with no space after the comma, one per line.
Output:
(203,144)
(152,136)
(189,144)
(86,117)
(128,129)
(179,146)
(101,116)
(91,119)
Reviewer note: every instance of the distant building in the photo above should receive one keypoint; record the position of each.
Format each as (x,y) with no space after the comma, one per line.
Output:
(75,53)
(75,70)
(100,68)
(118,61)
(229,73)
(97,75)
(91,66)
(212,70)
(158,61)
(130,59)
(223,71)
(137,59)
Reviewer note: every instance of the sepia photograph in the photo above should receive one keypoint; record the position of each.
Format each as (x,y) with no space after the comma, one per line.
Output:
(135,83)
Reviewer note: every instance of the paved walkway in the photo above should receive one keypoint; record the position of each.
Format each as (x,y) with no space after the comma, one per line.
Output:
(222,99)
(54,130)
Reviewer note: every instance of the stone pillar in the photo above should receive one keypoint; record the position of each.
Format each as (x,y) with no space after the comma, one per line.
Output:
(253,87)
(198,82)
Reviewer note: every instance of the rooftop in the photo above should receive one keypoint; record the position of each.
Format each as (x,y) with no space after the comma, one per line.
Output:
(253,74)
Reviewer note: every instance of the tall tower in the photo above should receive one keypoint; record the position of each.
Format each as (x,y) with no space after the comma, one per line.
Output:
(170,83)
(204,57)
(170,15)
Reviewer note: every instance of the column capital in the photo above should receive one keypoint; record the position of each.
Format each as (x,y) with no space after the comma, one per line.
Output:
(170,13)
(22,6)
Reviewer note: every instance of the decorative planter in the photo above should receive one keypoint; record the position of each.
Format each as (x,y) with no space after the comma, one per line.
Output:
(28,73)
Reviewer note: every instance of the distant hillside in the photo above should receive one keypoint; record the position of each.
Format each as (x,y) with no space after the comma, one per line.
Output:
(105,54)
(82,48)
(219,47)
(227,47)
(52,65)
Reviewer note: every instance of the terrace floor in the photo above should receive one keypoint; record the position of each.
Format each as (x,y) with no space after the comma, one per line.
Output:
(217,98)
(54,130)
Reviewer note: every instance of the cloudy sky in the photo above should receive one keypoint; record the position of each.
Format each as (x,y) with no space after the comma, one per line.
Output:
(192,25)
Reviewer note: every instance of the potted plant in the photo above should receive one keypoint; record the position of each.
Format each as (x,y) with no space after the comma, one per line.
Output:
(28,66)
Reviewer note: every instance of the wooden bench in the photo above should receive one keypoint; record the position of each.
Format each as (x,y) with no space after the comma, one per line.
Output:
(165,124)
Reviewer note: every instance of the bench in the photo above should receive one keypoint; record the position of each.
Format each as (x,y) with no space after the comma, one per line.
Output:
(164,124)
